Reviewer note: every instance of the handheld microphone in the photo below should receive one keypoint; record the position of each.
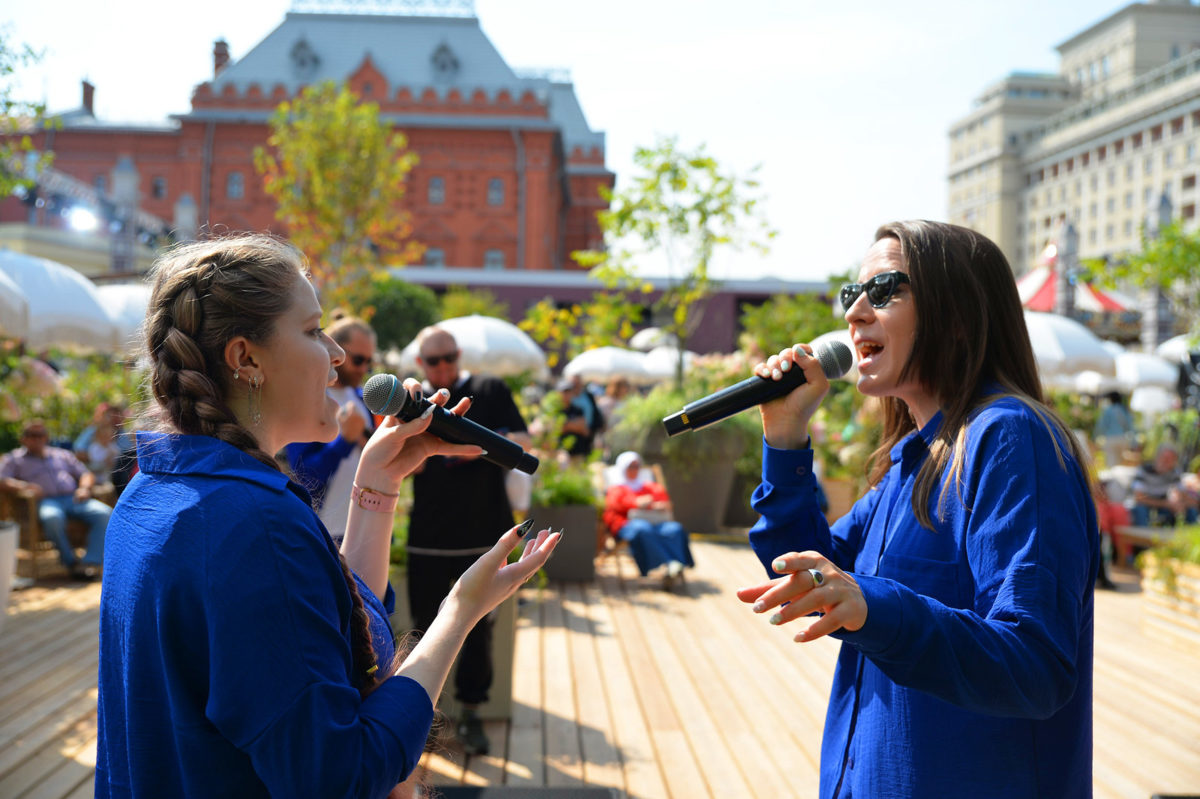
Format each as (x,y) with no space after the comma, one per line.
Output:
(385,394)
(835,357)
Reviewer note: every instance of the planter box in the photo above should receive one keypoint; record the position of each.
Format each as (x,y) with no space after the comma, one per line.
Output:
(1169,615)
(574,559)
(504,631)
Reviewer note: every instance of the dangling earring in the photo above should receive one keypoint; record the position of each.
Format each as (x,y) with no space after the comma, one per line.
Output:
(254,399)
(237,373)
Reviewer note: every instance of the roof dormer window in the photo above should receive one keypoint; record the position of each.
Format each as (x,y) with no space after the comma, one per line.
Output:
(445,62)
(304,60)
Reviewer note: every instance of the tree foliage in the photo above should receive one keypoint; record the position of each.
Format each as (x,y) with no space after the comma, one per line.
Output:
(784,320)
(461,301)
(681,206)
(1169,261)
(338,175)
(18,118)
(398,310)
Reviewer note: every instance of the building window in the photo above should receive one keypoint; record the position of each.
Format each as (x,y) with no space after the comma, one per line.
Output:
(1189,211)
(495,191)
(1091,235)
(1128,200)
(1191,151)
(235,186)
(437,191)
(1128,227)
(1095,182)
(1118,147)
(1129,171)
(158,188)
(1137,140)
(1101,153)
(1104,65)
(1189,181)
(493,259)
(1108,232)
(1156,133)
(1112,176)
(1168,157)
(1148,166)
(1092,210)
(1176,126)
(1110,205)
(1149,195)
(435,256)
(100,183)
(1084,159)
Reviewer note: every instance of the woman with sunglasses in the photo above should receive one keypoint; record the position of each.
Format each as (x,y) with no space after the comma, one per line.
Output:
(241,654)
(960,585)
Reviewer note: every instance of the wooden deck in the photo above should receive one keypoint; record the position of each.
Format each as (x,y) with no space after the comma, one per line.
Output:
(621,684)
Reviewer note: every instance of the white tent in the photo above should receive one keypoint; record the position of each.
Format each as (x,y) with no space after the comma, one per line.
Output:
(126,306)
(1062,346)
(63,305)
(602,363)
(661,361)
(489,346)
(1136,369)
(14,309)
(1174,349)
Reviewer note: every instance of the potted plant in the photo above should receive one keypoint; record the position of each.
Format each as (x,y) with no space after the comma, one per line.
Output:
(1171,587)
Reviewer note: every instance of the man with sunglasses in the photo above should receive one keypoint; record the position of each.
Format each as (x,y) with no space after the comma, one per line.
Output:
(328,470)
(460,507)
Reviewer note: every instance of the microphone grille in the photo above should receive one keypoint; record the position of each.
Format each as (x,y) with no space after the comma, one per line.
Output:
(383,394)
(835,358)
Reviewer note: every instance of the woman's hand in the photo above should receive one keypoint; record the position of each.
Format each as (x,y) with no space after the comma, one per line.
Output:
(834,593)
(492,579)
(398,448)
(785,420)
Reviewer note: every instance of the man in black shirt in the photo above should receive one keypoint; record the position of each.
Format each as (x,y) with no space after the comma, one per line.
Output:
(460,508)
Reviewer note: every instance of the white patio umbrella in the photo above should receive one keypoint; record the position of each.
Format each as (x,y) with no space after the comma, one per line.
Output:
(602,363)
(126,306)
(1063,346)
(489,346)
(1135,369)
(1152,401)
(651,337)
(14,309)
(1093,383)
(63,307)
(1174,349)
(660,362)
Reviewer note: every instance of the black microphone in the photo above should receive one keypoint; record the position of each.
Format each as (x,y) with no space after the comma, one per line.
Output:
(385,394)
(835,357)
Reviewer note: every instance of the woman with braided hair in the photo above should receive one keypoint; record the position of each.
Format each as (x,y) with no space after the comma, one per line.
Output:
(240,653)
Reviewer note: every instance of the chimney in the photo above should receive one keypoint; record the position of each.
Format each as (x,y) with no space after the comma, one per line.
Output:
(89,97)
(220,56)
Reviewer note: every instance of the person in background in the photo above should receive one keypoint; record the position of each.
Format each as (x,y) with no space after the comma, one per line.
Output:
(63,486)
(458,505)
(241,654)
(639,511)
(961,584)
(583,419)
(327,468)
(1114,430)
(1160,495)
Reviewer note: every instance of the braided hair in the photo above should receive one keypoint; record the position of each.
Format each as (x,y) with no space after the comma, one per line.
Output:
(205,294)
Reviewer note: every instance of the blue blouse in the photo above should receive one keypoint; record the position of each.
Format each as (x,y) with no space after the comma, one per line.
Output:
(225,664)
(972,675)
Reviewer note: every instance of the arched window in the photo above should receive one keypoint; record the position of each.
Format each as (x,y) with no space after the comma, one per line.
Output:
(437,191)
(235,186)
(495,191)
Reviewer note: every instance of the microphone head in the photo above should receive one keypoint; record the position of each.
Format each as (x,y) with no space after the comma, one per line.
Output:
(384,394)
(835,358)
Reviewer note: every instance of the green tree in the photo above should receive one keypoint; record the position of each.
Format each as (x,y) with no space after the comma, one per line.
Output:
(1168,261)
(784,320)
(681,206)
(605,319)
(18,118)
(398,310)
(461,301)
(338,174)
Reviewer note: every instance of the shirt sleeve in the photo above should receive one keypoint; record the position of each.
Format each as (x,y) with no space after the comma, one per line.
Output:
(789,518)
(7,467)
(280,683)
(1032,549)
(314,463)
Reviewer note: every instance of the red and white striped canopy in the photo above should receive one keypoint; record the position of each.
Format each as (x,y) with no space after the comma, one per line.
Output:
(1039,290)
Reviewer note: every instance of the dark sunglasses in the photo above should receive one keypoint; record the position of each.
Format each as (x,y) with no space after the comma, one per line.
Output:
(434,360)
(359,360)
(879,289)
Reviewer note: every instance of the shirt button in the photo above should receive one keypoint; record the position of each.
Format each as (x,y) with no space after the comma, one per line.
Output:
(801,470)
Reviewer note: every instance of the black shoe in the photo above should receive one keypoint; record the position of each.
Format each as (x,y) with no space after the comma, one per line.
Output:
(84,573)
(471,735)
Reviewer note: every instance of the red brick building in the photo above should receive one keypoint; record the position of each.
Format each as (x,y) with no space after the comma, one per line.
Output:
(509,173)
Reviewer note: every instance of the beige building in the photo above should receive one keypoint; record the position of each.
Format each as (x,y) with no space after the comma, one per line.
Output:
(1097,145)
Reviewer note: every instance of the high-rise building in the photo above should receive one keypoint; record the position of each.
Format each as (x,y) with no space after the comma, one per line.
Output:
(1097,145)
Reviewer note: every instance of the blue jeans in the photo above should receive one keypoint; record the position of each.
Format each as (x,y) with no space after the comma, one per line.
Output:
(654,544)
(1143,516)
(54,512)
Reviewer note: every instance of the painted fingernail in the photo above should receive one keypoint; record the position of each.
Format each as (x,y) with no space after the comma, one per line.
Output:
(779,565)
(785,365)
(444,392)
(427,412)
(776,618)
(420,395)
(484,452)
(776,374)
(759,607)
(525,527)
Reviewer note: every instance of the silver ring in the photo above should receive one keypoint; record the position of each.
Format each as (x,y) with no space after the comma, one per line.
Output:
(817,578)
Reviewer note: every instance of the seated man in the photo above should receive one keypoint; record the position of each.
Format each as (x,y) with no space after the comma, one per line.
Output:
(63,486)
(1160,496)
(653,541)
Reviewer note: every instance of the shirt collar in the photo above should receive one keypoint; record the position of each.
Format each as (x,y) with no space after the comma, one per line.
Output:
(917,442)
(187,455)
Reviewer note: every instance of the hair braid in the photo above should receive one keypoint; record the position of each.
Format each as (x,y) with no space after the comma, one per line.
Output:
(205,294)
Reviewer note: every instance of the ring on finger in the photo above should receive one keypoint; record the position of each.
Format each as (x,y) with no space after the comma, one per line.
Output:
(817,577)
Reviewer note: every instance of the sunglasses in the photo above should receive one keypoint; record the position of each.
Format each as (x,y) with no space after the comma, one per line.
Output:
(879,289)
(434,360)
(359,360)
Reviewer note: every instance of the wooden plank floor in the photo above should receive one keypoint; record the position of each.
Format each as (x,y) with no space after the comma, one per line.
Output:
(621,684)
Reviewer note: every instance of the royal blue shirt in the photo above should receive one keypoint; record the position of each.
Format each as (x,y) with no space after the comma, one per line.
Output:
(225,663)
(972,675)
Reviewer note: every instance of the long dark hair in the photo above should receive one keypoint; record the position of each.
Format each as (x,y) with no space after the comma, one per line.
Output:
(970,331)
(205,294)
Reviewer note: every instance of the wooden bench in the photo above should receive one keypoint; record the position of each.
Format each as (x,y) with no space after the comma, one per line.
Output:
(22,507)
(1130,536)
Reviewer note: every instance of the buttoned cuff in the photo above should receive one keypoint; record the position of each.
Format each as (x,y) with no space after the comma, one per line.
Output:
(885,615)
(787,467)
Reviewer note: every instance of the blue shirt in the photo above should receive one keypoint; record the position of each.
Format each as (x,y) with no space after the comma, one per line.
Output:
(972,675)
(225,664)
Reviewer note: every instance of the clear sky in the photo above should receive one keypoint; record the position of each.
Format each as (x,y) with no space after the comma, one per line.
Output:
(844,105)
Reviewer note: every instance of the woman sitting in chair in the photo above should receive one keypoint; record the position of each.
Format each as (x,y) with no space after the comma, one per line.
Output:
(639,511)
